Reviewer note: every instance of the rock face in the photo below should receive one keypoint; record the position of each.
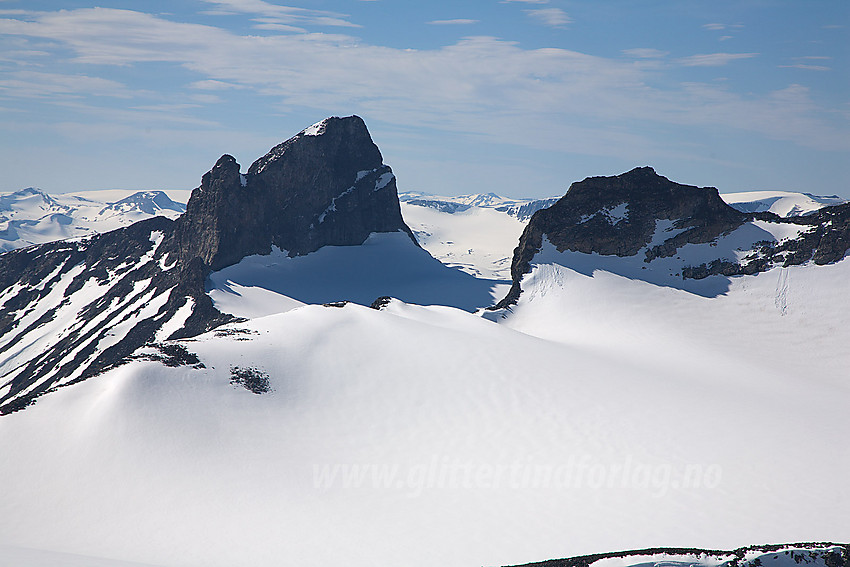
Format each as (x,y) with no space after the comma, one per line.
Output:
(71,309)
(618,216)
(326,186)
(824,239)
(642,214)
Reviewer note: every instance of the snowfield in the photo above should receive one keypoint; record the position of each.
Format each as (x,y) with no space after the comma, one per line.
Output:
(387,264)
(479,241)
(602,412)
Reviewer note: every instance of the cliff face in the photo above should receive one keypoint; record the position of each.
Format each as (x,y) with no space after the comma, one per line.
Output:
(641,214)
(71,309)
(619,215)
(325,186)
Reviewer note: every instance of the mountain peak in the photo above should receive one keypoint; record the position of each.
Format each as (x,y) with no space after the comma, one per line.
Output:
(638,224)
(327,185)
(619,216)
(347,135)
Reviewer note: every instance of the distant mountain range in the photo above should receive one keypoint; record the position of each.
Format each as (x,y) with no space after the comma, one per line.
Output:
(31,216)
(521,209)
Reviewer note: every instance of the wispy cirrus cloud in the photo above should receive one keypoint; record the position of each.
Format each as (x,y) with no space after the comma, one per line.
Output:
(727,28)
(454,22)
(276,14)
(806,66)
(713,59)
(645,53)
(720,27)
(39,84)
(554,17)
(212,85)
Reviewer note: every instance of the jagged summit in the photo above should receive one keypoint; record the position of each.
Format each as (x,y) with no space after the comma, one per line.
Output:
(71,309)
(327,185)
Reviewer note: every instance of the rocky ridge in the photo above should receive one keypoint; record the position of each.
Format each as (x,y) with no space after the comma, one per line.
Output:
(814,554)
(643,214)
(71,309)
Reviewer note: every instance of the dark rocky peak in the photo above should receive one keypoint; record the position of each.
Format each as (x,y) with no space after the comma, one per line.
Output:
(646,219)
(637,211)
(325,186)
(71,309)
(618,215)
(346,139)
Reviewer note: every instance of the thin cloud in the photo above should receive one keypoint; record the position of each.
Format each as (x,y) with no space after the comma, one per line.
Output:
(554,17)
(55,86)
(713,59)
(645,53)
(211,85)
(525,1)
(720,27)
(275,14)
(807,67)
(455,22)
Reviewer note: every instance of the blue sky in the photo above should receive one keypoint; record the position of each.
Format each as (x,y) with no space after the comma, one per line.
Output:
(518,97)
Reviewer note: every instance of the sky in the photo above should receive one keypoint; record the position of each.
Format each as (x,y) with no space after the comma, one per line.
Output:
(516,97)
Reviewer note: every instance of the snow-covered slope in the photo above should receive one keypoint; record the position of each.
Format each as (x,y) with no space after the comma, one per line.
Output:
(476,233)
(782,203)
(386,264)
(31,217)
(603,413)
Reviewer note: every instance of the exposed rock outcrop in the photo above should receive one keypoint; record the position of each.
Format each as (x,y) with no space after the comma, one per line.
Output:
(825,239)
(71,309)
(642,214)
(618,216)
(813,554)
(326,186)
